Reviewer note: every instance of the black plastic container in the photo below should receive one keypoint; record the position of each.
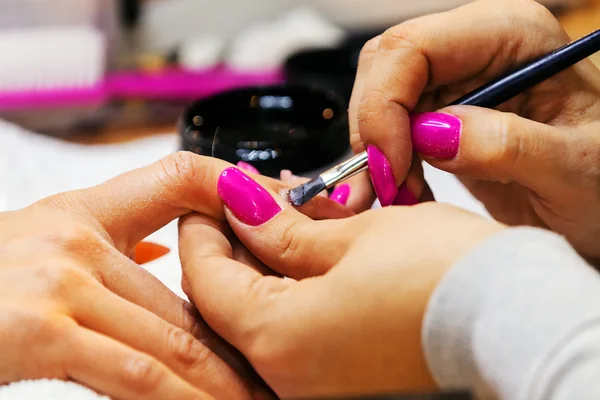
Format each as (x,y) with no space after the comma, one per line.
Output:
(272,128)
(333,69)
(328,69)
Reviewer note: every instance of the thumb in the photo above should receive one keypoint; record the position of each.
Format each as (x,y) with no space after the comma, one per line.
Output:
(132,206)
(276,233)
(489,145)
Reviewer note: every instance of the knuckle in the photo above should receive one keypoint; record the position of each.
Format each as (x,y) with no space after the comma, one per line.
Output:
(185,349)
(72,238)
(142,374)
(368,114)
(191,320)
(46,328)
(179,168)
(184,170)
(537,11)
(534,15)
(369,50)
(399,36)
(356,143)
(61,279)
(59,201)
(506,150)
(290,243)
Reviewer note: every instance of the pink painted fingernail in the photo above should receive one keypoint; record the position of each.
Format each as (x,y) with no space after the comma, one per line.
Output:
(341,194)
(247,167)
(249,201)
(381,176)
(436,135)
(405,197)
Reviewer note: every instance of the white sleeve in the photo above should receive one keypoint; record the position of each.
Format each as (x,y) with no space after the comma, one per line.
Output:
(517,319)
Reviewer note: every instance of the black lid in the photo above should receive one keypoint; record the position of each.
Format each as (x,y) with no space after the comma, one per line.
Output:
(271,128)
(333,69)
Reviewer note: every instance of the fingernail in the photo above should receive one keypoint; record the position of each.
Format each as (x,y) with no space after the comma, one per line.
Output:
(247,167)
(341,194)
(381,176)
(405,197)
(436,135)
(249,201)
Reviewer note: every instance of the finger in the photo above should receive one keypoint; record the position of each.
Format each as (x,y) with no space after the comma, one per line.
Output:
(122,372)
(130,207)
(412,189)
(365,61)
(102,311)
(359,194)
(435,50)
(496,146)
(248,168)
(281,237)
(130,281)
(136,285)
(233,298)
(427,195)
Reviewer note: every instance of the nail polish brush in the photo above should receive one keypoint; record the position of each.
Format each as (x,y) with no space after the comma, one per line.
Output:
(489,95)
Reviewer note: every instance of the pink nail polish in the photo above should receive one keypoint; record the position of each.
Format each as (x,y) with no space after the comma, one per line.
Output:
(247,167)
(436,135)
(405,197)
(341,194)
(249,201)
(381,176)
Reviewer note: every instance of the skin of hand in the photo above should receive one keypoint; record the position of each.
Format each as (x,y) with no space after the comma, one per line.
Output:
(533,161)
(73,305)
(348,319)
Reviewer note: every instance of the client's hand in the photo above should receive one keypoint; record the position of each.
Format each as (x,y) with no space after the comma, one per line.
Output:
(354,328)
(74,306)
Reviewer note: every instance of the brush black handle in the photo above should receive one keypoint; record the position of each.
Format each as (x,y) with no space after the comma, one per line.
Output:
(497,92)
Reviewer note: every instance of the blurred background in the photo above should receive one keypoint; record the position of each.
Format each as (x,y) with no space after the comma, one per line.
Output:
(106,70)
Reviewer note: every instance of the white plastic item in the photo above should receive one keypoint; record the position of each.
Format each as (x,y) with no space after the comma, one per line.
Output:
(267,45)
(51,58)
(34,14)
(201,53)
(165,23)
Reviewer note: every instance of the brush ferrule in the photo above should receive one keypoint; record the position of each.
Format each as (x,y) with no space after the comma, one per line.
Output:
(345,170)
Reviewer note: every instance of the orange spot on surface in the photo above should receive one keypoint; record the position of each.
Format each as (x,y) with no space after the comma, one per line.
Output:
(146,252)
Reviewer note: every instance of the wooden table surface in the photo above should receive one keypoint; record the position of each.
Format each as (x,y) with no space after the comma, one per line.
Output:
(577,22)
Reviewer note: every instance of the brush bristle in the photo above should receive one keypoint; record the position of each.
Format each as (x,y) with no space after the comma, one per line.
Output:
(303,193)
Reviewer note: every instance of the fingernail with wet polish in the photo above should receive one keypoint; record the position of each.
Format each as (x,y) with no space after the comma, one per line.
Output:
(247,200)
(381,176)
(341,194)
(405,197)
(436,135)
(247,167)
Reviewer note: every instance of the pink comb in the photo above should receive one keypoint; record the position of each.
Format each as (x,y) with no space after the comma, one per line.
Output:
(165,85)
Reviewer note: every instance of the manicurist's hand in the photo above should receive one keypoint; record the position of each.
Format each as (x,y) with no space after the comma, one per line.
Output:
(533,161)
(74,306)
(349,322)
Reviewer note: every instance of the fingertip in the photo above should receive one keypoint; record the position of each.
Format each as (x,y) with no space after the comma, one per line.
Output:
(436,134)
(251,203)
(382,176)
(341,194)
(248,167)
